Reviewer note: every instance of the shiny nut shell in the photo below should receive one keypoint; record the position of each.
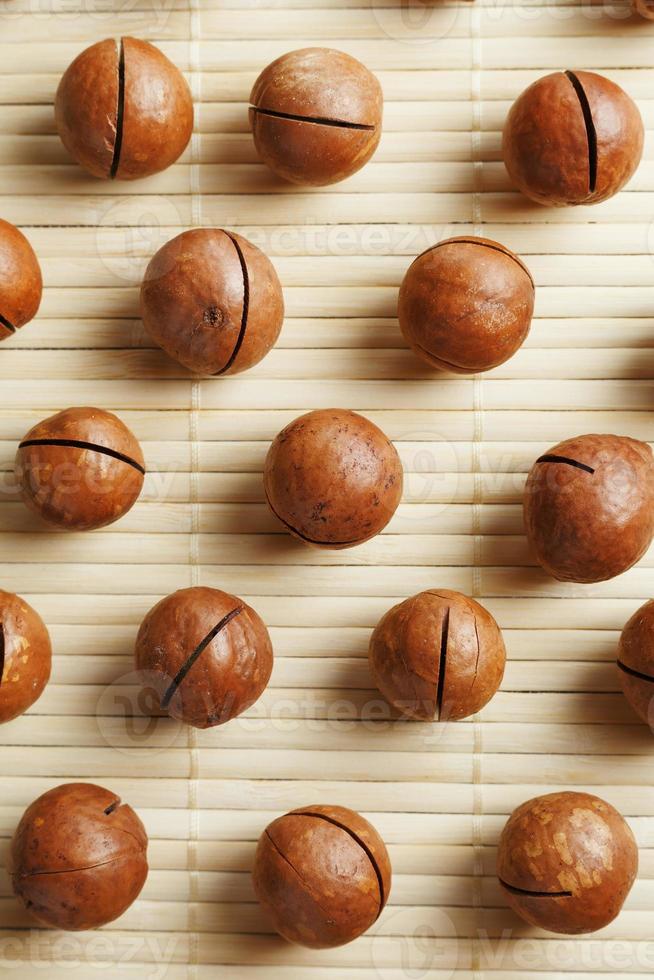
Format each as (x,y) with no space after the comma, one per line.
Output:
(21,285)
(636,662)
(316,115)
(206,654)
(25,656)
(572,138)
(437,656)
(466,304)
(123,109)
(212,301)
(566,862)
(333,478)
(323,875)
(78,858)
(589,507)
(80,469)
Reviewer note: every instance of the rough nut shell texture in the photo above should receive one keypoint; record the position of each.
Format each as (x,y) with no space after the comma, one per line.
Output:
(636,662)
(21,285)
(80,469)
(333,478)
(123,109)
(316,115)
(212,301)
(437,656)
(566,862)
(589,507)
(206,654)
(466,305)
(323,875)
(572,138)
(25,656)
(78,858)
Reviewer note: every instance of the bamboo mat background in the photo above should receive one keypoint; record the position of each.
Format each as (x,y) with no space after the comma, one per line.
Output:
(439,796)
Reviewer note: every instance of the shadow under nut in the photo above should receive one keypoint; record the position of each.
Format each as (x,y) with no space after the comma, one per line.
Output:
(78,858)
(566,862)
(323,875)
(212,301)
(80,469)
(21,283)
(25,656)
(589,507)
(333,478)
(466,304)
(206,655)
(636,662)
(123,110)
(438,656)
(572,138)
(316,116)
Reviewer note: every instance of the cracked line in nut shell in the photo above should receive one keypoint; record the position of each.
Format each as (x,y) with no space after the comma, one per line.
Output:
(566,460)
(120,112)
(442,662)
(639,675)
(526,893)
(200,648)
(246,307)
(7,324)
(304,881)
(303,537)
(66,871)
(314,120)
(80,444)
(471,241)
(591,133)
(358,840)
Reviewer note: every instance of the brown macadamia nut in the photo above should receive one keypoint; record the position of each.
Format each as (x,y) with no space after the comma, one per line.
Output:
(566,862)
(21,285)
(438,656)
(333,478)
(589,507)
(212,301)
(636,662)
(572,138)
(80,469)
(323,875)
(316,116)
(124,110)
(645,8)
(205,654)
(25,656)
(466,304)
(79,857)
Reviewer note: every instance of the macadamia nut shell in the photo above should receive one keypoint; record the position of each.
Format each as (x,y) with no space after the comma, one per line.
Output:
(589,507)
(78,858)
(333,478)
(316,116)
(566,862)
(25,656)
(206,654)
(212,301)
(438,656)
(80,469)
(323,875)
(466,305)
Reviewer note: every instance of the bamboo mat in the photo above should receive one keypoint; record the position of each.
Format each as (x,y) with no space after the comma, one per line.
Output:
(439,796)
